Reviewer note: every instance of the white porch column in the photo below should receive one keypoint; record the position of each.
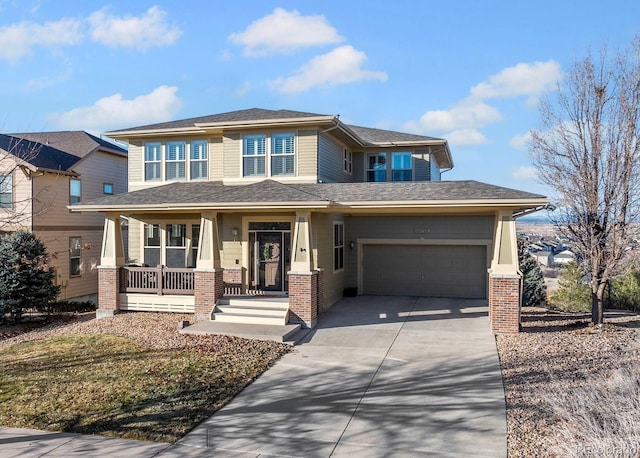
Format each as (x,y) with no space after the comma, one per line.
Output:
(505,250)
(209,243)
(112,243)
(302,256)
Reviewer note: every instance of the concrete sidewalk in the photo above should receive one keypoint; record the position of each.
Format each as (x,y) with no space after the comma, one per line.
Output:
(380,376)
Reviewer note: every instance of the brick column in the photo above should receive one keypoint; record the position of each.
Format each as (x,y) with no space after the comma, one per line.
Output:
(108,291)
(208,288)
(504,303)
(303,298)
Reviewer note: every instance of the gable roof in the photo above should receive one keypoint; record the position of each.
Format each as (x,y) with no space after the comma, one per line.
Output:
(38,155)
(78,142)
(337,196)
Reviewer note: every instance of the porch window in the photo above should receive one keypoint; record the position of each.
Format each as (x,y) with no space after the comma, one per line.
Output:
(6,191)
(198,159)
(175,160)
(195,239)
(75,191)
(152,161)
(152,244)
(401,169)
(176,245)
(283,154)
(338,246)
(75,256)
(253,155)
(377,167)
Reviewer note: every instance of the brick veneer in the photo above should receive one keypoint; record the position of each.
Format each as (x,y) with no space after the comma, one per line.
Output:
(208,288)
(504,303)
(108,291)
(304,298)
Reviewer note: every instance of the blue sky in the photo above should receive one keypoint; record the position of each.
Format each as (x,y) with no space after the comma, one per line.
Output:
(468,71)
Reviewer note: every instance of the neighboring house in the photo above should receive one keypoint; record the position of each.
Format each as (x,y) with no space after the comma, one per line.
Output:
(564,257)
(43,173)
(302,208)
(544,258)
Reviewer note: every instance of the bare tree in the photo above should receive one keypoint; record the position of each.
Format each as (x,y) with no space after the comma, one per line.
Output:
(588,151)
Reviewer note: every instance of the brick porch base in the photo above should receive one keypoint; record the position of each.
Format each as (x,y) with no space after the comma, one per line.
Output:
(504,303)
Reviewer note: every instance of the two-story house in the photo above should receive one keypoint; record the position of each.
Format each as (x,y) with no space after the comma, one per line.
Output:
(40,175)
(296,209)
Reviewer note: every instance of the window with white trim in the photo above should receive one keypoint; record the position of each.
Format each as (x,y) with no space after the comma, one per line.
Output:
(75,191)
(377,167)
(6,191)
(75,256)
(338,246)
(198,160)
(253,155)
(152,244)
(348,161)
(175,160)
(401,166)
(283,154)
(107,188)
(152,161)
(176,254)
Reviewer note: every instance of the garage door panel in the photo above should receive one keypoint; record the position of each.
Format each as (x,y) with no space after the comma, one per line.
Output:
(425,270)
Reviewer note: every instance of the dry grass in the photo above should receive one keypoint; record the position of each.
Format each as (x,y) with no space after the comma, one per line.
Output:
(572,389)
(156,387)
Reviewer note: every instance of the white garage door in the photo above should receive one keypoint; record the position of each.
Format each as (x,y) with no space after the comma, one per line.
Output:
(425,270)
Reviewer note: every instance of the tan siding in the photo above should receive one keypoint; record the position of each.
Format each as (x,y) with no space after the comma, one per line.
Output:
(334,282)
(136,161)
(331,161)
(232,151)
(134,235)
(307,153)
(216,159)
(231,246)
(20,215)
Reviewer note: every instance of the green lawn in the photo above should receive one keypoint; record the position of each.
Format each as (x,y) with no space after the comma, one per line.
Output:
(103,384)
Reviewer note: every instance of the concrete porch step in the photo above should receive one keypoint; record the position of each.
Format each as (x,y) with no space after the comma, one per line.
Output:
(252,310)
(241,301)
(230,317)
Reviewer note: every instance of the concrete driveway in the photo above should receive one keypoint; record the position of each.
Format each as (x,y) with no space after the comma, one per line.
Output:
(379,377)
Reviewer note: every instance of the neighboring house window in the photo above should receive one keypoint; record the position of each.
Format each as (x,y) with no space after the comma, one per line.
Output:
(6,191)
(152,161)
(348,161)
(401,169)
(75,256)
(195,239)
(338,246)
(175,160)
(107,188)
(198,160)
(75,191)
(283,154)
(253,155)
(152,244)
(176,245)
(377,167)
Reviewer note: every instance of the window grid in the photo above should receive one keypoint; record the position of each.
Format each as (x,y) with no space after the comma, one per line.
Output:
(253,155)
(283,154)
(175,160)
(377,167)
(198,160)
(348,161)
(152,161)
(75,256)
(338,246)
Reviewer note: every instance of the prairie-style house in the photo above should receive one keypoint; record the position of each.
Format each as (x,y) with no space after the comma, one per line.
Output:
(40,175)
(273,215)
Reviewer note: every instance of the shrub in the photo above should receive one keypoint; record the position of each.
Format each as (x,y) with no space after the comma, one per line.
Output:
(534,291)
(625,292)
(26,281)
(574,294)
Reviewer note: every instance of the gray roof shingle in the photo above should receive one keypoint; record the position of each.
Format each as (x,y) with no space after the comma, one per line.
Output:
(372,136)
(38,154)
(78,142)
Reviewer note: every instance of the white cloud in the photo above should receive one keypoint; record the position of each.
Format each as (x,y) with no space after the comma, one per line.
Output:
(284,32)
(18,40)
(157,106)
(524,173)
(462,137)
(462,116)
(525,79)
(520,141)
(141,32)
(343,65)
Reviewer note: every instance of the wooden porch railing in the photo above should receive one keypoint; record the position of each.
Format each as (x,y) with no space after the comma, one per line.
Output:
(156,280)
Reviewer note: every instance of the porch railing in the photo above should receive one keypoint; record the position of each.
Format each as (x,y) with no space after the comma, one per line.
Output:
(156,280)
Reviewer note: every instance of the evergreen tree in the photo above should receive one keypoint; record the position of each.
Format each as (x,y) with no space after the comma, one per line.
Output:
(534,291)
(574,294)
(26,281)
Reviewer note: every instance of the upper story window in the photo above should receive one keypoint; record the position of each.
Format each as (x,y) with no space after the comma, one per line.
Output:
(348,161)
(253,155)
(175,160)
(198,158)
(152,161)
(107,188)
(377,167)
(75,191)
(283,154)
(6,191)
(401,166)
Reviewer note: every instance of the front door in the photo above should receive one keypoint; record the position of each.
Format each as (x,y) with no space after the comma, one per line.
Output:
(270,253)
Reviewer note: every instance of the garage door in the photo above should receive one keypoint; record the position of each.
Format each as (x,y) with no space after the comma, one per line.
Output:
(421,270)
